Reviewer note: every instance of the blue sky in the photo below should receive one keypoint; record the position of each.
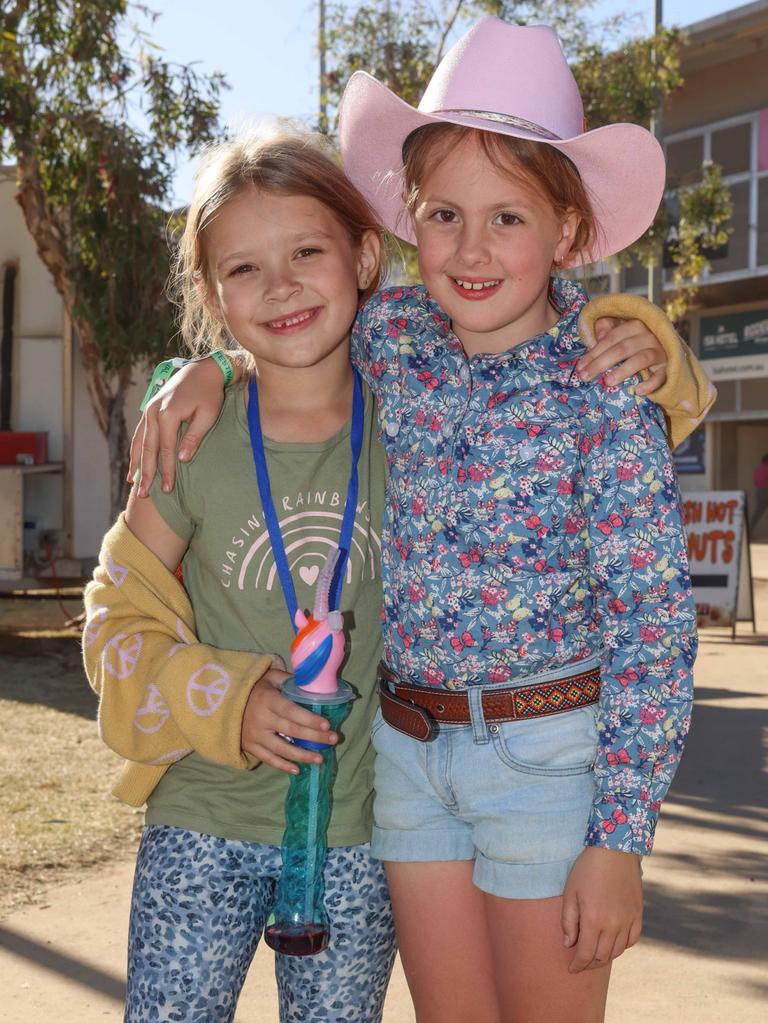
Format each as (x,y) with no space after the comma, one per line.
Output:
(266,48)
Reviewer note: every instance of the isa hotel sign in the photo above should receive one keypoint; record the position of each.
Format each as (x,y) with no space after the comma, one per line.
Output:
(734,346)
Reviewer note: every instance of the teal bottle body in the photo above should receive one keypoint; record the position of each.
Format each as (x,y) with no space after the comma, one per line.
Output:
(299,922)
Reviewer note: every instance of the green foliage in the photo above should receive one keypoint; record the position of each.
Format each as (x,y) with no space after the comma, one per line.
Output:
(689,227)
(401,41)
(704,212)
(93,116)
(629,83)
(396,42)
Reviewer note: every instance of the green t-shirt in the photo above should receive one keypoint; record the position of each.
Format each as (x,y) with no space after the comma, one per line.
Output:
(232,581)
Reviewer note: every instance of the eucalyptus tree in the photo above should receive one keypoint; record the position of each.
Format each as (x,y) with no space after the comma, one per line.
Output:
(93,115)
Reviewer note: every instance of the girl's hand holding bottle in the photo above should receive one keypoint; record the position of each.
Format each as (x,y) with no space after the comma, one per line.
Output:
(269,716)
(602,907)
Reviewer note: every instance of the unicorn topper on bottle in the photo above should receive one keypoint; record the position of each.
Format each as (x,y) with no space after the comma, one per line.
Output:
(318,649)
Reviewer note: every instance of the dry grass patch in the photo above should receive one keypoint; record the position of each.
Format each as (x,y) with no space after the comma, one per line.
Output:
(55,774)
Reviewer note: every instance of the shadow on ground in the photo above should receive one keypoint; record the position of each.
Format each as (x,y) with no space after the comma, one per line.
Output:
(710,639)
(46,670)
(725,925)
(720,786)
(62,964)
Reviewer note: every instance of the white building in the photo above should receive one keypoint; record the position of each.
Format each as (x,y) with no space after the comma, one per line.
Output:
(721,114)
(48,393)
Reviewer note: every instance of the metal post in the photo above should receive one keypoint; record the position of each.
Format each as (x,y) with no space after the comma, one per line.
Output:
(10,271)
(70,353)
(655,272)
(322,118)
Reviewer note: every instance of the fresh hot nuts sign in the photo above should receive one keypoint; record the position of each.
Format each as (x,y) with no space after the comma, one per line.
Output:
(714,523)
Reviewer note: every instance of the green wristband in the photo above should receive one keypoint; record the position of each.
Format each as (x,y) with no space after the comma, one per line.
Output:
(161,375)
(224,365)
(165,370)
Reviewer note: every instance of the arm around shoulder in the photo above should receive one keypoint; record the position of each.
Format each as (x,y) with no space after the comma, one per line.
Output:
(688,393)
(194,395)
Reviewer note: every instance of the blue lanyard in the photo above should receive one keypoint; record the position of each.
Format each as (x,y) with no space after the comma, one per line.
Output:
(350,507)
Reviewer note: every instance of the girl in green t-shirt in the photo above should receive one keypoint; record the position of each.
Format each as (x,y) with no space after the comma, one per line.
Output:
(278,252)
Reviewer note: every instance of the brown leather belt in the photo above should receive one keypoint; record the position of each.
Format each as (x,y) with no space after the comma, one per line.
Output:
(418,711)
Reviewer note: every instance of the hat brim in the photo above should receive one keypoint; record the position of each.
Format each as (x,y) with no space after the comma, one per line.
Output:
(621,165)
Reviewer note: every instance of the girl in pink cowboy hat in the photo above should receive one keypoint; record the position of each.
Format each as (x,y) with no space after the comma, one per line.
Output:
(539,628)
(532,555)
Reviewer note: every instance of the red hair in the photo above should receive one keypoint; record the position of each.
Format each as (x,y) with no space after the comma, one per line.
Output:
(536,165)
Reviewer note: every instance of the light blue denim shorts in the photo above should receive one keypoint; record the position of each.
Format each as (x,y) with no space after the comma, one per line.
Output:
(515,797)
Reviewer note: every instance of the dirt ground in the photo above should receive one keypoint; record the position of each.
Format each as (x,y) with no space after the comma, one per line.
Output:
(59,821)
(62,951)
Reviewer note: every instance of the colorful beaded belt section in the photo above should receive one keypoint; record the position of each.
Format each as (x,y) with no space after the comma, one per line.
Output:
(417,711)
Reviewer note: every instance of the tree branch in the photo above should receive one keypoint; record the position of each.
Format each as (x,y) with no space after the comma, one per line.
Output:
(52,249)
(447,30)
(90,356)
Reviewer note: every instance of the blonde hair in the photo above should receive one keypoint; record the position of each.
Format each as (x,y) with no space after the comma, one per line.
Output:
(283,161)
(540,167)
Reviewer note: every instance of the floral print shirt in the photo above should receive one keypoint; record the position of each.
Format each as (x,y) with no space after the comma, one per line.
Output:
(532,522)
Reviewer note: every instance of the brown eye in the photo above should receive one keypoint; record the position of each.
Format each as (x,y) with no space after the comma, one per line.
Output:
(507,219)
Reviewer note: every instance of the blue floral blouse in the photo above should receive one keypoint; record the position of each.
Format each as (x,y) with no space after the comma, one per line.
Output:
(532,522)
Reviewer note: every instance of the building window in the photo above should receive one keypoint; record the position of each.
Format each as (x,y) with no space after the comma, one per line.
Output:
(737,256)
(762,221)
(684,160)
(636,278)
(732,148)
(740,146)
(734,144)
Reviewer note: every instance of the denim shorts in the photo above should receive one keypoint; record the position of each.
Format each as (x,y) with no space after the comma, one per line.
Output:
(515,797)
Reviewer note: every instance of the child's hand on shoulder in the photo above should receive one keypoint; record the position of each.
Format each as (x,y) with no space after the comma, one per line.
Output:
(194,395)
(268,713)
(602,907)
(621,349)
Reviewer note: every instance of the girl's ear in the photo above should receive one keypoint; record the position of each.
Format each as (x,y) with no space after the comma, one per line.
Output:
(568,228)
(368,258)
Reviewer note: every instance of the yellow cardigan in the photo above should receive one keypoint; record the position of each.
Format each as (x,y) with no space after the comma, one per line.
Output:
(162,693)
(688,393)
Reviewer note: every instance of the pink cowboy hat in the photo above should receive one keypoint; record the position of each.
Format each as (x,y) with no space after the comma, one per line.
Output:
(515,81)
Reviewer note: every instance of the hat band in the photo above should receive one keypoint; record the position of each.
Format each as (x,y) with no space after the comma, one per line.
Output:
(510,119)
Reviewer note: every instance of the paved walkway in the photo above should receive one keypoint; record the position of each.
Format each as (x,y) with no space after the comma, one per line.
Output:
(704,955)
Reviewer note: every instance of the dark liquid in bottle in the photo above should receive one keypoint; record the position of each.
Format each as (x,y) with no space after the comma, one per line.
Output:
(296,939)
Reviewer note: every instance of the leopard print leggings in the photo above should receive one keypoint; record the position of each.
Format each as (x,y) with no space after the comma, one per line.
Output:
(198,911)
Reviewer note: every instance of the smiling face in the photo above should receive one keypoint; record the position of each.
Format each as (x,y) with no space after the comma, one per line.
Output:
(487,241)
(284,277)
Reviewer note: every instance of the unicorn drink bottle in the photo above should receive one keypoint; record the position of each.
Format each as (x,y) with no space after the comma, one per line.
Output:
(299,922)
